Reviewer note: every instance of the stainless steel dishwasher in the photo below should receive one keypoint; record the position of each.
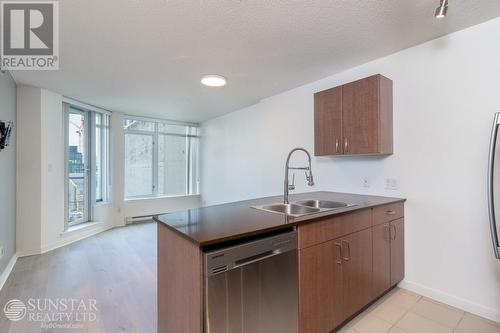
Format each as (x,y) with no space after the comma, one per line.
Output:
(252,287)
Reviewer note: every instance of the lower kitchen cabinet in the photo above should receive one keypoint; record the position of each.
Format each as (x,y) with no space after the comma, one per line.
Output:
(397,251)
(320,279)
(356,271)
(381,258)
(335,280)
(340,276)
(388,255)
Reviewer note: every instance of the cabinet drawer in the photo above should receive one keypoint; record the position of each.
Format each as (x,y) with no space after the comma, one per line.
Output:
(388,213)
(334,227)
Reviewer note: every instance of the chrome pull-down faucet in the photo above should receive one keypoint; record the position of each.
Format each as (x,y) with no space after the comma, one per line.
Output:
(308,172)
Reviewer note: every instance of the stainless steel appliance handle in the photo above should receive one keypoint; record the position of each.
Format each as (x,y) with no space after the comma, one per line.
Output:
(491,204)
(248,252)
(254,259)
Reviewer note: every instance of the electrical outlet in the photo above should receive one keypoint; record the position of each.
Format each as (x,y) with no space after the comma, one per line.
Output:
(391,184)
(366,182)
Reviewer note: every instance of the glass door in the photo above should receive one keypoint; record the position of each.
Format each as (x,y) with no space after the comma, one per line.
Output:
(77,167)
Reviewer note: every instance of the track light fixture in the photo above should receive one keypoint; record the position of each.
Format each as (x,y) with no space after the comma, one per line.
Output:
(442,9)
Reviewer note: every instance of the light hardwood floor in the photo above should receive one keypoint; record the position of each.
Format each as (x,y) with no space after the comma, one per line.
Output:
(118,269)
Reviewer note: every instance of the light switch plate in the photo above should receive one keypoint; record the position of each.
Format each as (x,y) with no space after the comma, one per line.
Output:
(2,252)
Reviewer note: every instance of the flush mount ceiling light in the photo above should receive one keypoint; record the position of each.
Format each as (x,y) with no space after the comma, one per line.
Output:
(442,9)
(213,80)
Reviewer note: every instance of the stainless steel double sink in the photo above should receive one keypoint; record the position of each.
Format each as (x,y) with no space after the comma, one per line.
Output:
(303,207)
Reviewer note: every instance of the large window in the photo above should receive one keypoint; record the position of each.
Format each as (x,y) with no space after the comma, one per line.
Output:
(161,159)
(87,158)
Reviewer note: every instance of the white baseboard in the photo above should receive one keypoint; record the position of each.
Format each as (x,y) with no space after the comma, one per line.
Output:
(77,235)
(6,272)
(463,304)
(68,238)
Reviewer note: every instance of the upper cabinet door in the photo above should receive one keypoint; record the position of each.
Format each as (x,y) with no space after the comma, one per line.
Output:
(367,116)
(328,122)
(354,119)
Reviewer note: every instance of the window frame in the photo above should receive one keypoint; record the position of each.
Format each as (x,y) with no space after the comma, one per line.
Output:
(105,127)
(191,176)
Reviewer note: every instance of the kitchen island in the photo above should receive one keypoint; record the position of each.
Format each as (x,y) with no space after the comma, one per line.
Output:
(348,256)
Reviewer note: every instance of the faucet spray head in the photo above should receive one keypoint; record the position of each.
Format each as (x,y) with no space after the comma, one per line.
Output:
(310,178)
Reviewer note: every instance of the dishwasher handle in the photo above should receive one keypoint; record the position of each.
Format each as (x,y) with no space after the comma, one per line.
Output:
(246,253)
(254,259)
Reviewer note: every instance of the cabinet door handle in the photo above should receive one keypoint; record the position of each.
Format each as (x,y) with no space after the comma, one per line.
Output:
(346,144)
(348,257)
(395,231)
(388,231)
(339,260)
(336,145)
(390,212)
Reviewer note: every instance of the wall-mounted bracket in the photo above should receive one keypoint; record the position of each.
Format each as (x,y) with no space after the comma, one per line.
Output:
(6,128)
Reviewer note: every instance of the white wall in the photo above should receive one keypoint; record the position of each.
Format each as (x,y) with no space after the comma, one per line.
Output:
(8,173)
(445,94)
(29,183)
(51,168)
(40,181)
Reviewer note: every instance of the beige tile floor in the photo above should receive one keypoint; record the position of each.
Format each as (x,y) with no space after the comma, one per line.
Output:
(402,311)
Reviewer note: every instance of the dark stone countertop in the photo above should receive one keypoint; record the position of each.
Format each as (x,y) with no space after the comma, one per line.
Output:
(220,223)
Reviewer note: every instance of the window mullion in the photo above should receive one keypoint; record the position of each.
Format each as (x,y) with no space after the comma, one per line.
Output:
(155,160)
(188,165)
(91,160)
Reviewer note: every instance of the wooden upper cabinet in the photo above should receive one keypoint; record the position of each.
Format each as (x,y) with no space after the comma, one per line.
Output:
(367,116)
(361,116)
(328,122)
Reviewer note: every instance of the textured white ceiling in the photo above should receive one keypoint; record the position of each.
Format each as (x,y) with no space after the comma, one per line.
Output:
(146,57)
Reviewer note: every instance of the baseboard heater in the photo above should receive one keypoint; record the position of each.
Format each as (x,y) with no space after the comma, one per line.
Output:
(139,219)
